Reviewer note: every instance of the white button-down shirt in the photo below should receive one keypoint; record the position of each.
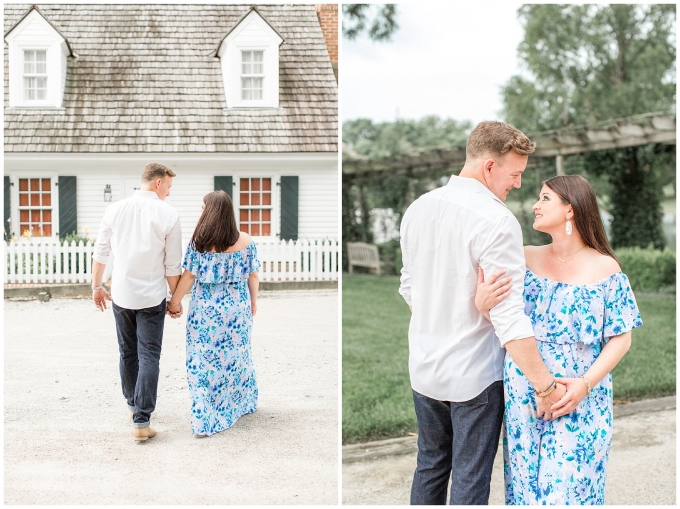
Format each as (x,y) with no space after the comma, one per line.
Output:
(446,235)
(145,237)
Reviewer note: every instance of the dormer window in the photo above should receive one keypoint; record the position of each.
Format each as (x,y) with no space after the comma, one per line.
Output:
(35,75)
(252,75)
(249,56)
(37,62)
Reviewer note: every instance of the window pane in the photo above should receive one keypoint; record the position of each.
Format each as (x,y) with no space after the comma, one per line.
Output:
(247,56)
(266,229)
(244,199)
(41,55)
(35,184)
(41,94)
(35,200)
(23,200)
(47,230)
(23,184)
(266,184)
(23,216)
(256,185)
(254,229)
(266,199)
(35,216)
(46,199)
(244,228)
(24,227)
(257,95)
(244,184)
(45,184)
(243,215)
(41,68)
(255,199)
(47,216)
(266,215)
(254,215)
(36,231)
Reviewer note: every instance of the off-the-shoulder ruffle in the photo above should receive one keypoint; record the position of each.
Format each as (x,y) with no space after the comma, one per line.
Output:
(212,268)
(563,313)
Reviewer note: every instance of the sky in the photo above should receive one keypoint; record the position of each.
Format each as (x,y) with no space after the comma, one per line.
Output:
(448,59)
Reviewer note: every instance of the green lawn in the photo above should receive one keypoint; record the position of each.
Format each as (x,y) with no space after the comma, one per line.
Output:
(376,393)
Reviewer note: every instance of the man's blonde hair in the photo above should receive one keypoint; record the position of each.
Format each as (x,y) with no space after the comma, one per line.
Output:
(153,171)
(497,138)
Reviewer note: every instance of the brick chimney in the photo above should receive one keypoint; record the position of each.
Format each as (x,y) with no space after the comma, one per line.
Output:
(328,19)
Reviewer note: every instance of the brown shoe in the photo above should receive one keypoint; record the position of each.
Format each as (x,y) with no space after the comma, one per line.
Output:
(141,434)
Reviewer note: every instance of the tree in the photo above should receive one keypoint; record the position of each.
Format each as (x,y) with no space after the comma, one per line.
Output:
(588,63)
(380,28)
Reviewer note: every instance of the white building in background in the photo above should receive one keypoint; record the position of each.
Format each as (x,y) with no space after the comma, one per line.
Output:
(230,97)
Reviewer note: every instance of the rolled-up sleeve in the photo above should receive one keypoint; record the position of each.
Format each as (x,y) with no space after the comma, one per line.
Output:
(102,247)
(504,250)
(405,280)
(173,249)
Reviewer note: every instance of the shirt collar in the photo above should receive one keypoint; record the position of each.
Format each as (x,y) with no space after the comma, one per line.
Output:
(474,186)
(146,194)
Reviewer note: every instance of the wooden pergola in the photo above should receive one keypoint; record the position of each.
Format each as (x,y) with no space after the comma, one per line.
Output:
(658,127)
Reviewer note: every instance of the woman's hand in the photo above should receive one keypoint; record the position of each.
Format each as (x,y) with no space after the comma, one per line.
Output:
(174,310)
(253,306)
(576,391)
(491,291)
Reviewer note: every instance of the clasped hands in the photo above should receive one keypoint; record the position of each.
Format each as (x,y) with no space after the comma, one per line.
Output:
(174,310)
(567,395)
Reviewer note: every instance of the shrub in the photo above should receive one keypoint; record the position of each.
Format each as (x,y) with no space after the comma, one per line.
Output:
(649,270)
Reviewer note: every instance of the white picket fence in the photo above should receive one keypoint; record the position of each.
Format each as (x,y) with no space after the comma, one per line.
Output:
(49,261)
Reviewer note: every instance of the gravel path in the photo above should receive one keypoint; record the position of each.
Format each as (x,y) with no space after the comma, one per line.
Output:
(68,439)
(641,468)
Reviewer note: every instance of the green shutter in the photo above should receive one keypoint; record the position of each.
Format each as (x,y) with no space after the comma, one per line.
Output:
(68,207)
(289,208)
(225,184)
(8,209)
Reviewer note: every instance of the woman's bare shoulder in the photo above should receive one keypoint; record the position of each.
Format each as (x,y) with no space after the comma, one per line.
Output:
(243,240)
(604,265)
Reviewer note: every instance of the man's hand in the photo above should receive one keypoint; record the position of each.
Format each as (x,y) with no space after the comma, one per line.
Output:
(174,310)
(544,404)
(99,298)
(576,391)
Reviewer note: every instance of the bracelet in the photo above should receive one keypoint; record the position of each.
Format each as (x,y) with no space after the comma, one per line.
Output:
(550,388)
(583,377)
(100,287)
(170,302)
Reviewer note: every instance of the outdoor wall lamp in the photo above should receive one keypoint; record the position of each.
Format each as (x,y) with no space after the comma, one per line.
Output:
(107,193)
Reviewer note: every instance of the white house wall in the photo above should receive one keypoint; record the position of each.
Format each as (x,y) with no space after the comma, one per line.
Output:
(318,183)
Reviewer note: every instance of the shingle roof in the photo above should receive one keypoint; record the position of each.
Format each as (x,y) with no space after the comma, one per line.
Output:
(144,82)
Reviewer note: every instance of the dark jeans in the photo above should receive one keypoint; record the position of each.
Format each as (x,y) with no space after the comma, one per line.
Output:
(460,440)
(140,335)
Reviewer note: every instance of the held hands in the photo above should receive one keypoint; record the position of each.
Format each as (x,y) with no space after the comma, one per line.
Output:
(492,291)
(174,310)
(99,298)
(576,390)
(544,405)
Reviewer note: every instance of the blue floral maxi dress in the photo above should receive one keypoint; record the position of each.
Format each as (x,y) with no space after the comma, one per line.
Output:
(564,461)
(219,359)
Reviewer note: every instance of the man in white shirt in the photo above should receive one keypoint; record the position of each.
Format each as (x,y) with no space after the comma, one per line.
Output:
(455,354)
(144,235)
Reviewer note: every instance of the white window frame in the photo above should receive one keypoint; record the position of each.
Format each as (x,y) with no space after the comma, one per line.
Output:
(24,76)
(253,75)
(15,212)
(230,54)
(41,37)
(275,205)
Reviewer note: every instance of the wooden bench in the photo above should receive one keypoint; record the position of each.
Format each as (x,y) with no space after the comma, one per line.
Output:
(363,255)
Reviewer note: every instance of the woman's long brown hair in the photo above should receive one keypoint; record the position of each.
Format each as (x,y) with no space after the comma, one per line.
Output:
(577,191)
(216,229)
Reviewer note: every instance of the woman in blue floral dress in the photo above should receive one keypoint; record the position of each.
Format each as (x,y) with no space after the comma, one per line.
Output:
(582,310)
(222,265)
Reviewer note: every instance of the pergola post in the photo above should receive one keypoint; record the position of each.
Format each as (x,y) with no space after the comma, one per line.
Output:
(559,163)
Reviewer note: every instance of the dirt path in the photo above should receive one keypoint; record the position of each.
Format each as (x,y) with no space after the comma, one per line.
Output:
(68,439)
(641,468)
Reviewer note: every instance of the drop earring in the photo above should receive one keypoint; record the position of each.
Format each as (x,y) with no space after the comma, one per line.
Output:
(568,227)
